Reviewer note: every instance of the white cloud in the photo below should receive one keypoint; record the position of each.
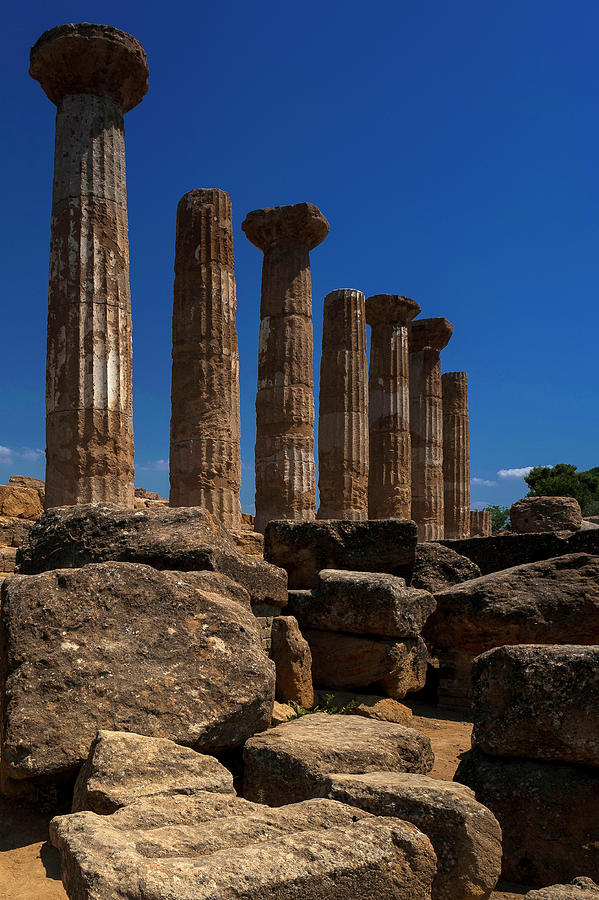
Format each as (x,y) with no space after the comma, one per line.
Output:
(6,455)
(158,465)
(480,504)
(515,473)
(483,481)
(10,457)
(32,455)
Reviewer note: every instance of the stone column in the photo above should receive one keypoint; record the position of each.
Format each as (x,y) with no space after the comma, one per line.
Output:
(389,480)
(481,523)
(343,409)
(285,485)
(94,74)
(456,454)
(205,462)
(427,339)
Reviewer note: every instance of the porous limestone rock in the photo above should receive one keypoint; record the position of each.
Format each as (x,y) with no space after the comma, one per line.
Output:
(293,761)
(285,477)
(14,530)
(545,514)
(370,706)
(538,701)
(205,460)
(124,647)
(456,454)
(343,409)
(281,712)
(580,889)
(503,551)
(438,567)
(547,812)
(251,542)
(123,767)
(352,662)
(465,835)
(19,501)
(94,74)
(427,337)
(215,846)
(291,655)
(362,603)
(389,478)
(551,602)
(8,557)
(183,539)
(305,548)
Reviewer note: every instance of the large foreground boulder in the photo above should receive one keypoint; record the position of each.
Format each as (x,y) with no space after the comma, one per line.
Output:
(438,567)
(580,889)
(182,539)
(538,701)
(121,646)
(123,767)
(551,602)
(547,812)
(350,662)
(362,603)
(465,835)
(292,761)
(220,847)
(545,514)
(305,548)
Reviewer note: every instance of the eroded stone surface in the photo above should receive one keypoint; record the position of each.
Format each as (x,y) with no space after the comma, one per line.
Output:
(293,662)
(364,603)
(211,847)
(465,835)
(94,73)
(370,706)
(545,514)
(389,481)
(343,409)
(580,889)
(427,337)
(124,647)
(19,501)
(438,567)
(205,461)
(123,767)
(8,557)
(538,701)
(184,539)
(293,761)
(305,548)
(456,454)
(285,477)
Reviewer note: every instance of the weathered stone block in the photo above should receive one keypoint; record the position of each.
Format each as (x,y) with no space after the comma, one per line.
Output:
(438,567)
(370,706)
(538,701)
(305,548)
(20,502)
(292,762)
(579,889)
(545,514)
(293,662)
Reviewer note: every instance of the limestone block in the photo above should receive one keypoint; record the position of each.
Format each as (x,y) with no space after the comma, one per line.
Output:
(438,567)
(370,706)
(545,514)
(580,889)
(291,655)
(293,761)
(20,502)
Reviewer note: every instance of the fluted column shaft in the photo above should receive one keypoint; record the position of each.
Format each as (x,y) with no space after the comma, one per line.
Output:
(285,471)
(343,409)
(93,73)
(427,338)
(456,454)
(389,479)
(481,523)
(205,461)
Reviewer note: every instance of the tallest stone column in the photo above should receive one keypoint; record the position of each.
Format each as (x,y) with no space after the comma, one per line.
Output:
(285,483)
(94,74)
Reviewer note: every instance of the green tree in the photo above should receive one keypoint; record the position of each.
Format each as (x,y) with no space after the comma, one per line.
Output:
(500,516)
(563,480)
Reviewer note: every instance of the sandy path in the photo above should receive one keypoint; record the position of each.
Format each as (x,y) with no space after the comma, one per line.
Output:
(30,866)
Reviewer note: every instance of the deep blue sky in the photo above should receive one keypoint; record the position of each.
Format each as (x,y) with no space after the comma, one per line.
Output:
(454,148)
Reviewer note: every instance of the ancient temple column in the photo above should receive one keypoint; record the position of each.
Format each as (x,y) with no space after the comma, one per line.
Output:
(427,339)
(343,409)
(285,485)
(94,74)
(456,454)
(205,462)
(389,480)
(481,523)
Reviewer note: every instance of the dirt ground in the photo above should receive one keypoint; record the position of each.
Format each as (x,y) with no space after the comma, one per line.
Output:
(30,866)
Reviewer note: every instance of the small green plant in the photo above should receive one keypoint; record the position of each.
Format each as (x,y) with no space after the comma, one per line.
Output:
(330,707)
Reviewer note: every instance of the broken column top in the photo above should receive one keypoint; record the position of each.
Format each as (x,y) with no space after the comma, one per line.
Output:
(390,309)
(302,223)
(433,333)
(90,59)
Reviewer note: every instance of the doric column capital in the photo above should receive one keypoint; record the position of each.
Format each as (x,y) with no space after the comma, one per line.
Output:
(90,59)
(390,309)
(432,333)
(302,224)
